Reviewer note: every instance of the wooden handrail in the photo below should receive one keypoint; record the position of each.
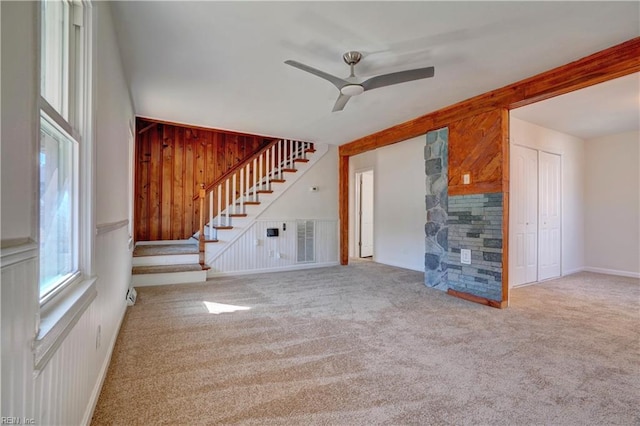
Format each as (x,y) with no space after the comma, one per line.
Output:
(235,168)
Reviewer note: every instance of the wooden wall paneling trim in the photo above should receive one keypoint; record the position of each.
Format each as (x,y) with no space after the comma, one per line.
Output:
(343,206)
(477,299)
(617,61)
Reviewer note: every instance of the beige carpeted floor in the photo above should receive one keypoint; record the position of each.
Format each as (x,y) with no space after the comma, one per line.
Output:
(370,344)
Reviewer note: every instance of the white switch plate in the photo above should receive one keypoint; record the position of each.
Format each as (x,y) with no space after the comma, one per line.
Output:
(465,256)
(466,179)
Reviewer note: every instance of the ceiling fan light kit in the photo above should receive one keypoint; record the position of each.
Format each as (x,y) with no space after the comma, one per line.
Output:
(349,87)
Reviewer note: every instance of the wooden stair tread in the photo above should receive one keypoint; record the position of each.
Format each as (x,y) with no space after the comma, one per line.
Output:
(211,241)
(290,170)
(222,227)
(300,160)
(265,191)
(310,150)
(278,180)
(237,215)
(163,249)
(250,203)
(163,269)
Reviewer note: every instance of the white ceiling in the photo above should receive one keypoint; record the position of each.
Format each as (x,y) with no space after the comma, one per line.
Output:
(220,64)
(604,109)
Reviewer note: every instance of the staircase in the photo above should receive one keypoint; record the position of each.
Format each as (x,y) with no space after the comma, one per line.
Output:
(228,207)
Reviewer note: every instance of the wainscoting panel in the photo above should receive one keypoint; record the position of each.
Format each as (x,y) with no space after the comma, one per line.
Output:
(19,295)
(66,389)
(255,252)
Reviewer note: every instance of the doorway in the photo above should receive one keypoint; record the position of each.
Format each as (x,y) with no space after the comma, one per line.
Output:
(535,215)
(364,211)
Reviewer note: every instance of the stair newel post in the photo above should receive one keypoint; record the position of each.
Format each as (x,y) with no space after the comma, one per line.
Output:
(203,194)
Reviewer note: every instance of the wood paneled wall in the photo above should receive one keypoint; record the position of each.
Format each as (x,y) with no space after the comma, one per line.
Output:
(172,161)
(476,147)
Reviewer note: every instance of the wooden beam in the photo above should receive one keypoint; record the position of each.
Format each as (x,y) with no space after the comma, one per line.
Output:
(505,205)
(343,200)
(477,299)
(605,65)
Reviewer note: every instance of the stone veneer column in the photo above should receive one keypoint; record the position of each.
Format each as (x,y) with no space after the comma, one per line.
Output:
(436,155)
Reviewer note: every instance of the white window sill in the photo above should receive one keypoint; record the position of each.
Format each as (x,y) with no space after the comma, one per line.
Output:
(58,317)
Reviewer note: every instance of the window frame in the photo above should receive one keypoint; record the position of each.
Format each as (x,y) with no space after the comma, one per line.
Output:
(61,308)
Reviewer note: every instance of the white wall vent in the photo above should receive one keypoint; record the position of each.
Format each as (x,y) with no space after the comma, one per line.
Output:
(306,241)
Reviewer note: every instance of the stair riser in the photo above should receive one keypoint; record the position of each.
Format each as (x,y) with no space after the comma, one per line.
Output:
(167,278)
(170,259)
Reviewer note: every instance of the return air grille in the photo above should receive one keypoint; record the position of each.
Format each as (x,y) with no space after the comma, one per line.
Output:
(306,241)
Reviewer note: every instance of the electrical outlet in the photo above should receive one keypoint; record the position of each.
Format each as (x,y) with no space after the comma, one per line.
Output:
(466,179)
(465,256)
(270,253)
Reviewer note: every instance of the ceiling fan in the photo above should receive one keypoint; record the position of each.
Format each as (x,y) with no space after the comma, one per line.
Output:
(351,87)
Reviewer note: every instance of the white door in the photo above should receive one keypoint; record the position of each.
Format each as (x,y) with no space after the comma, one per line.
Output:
(549,216)
(366,214)
(524,216)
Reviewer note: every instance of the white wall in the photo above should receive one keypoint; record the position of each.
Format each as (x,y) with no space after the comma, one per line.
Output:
(300,203)
(571,150)
(612,208)
(399,209)
(66,389)
(19,119)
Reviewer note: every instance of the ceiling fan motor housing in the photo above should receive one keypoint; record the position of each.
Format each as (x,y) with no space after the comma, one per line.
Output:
(352,58)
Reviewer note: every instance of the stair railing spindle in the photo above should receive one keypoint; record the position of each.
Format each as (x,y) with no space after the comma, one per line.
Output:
(219,205)
(280,159)
(255,179)
(210,211)
(233,195)
(226,202)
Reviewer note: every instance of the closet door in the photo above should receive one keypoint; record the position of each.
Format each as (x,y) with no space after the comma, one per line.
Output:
(524,215)
(549,216)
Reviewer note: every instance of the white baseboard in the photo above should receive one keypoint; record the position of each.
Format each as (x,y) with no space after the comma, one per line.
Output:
(572,271)
(95,394)
(297,267)
(612,272)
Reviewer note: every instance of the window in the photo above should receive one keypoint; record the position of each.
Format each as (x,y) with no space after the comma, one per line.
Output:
(61,104)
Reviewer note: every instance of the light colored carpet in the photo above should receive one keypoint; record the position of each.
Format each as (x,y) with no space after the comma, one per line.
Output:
(370,344)
(163,249)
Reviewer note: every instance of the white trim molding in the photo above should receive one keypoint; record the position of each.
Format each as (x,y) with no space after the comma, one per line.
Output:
(104,228)
(613,272)
(16,251)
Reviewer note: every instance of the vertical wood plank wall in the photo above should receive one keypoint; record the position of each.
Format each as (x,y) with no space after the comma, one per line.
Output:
(172,161)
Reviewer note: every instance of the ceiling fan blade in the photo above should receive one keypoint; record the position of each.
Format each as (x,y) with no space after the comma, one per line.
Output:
(336,81)
(340,102)
(397,77)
